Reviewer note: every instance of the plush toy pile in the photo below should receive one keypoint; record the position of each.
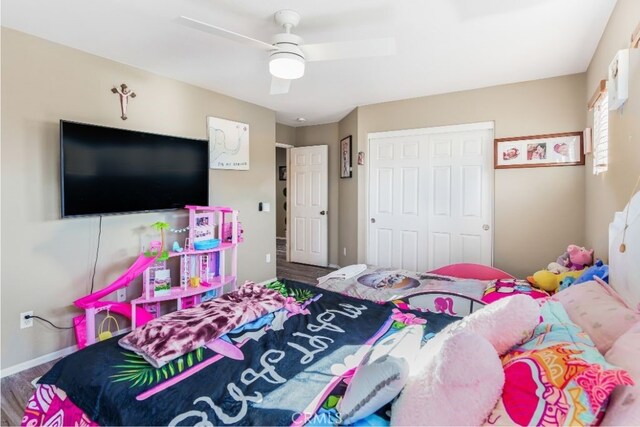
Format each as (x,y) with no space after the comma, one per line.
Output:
(572,267)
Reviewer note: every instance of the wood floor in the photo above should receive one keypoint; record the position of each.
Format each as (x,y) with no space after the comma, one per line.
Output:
(300,272)
(17,389)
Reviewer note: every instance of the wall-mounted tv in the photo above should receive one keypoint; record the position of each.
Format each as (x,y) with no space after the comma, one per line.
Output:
(107,171)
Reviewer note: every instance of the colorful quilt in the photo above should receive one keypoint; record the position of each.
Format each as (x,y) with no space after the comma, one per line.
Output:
(296,365)
(557,378)
(384,284)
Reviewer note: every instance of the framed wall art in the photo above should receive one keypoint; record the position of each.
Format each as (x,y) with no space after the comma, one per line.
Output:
(345,157)
(558,149)
(228,144)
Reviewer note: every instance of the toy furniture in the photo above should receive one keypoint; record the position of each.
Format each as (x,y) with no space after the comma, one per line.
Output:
(202,271)
(213,231)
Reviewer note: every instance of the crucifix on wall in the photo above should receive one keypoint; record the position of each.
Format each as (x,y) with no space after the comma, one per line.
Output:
(124,94)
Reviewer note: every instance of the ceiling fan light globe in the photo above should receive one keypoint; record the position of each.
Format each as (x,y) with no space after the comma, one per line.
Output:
(285,65)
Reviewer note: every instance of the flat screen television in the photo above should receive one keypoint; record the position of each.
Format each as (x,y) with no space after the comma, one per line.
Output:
(107,171)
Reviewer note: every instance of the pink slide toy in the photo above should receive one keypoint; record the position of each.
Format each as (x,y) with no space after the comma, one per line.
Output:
(85,324)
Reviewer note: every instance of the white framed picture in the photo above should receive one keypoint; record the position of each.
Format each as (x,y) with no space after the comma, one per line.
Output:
(228,144)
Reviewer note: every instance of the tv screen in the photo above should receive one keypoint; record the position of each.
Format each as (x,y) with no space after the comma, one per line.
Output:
(107,171)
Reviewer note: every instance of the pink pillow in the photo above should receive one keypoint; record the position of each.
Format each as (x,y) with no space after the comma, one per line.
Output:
(504,323)
(599,311)
(457,380)
(624,406)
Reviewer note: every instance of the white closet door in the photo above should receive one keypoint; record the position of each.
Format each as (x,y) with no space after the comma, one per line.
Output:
(431,199)
(398,182)
(460,198)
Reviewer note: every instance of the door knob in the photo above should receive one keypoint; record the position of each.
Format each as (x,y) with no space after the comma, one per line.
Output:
(373,220)
(485,227)
(323,212)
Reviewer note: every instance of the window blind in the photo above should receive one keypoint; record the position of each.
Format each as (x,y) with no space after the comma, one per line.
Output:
(601,135)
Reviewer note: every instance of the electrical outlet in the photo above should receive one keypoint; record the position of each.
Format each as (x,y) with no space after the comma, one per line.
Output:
(344,251)
(26,323)
(121,294)
(268,258)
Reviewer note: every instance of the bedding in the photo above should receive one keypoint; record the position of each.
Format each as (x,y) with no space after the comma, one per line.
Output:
(384,284)
(624,407)
(558,377)
(599,311)
(175,334)
(457,381)
(294,366)
(381,375)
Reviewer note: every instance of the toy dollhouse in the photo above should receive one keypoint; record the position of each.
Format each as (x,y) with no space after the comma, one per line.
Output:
(214,234)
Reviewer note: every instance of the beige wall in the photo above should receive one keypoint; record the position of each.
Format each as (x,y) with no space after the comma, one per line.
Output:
(285,134)
(281,213)
(609,192)
(46,261)
(348,187)
(538,212)
(326,135)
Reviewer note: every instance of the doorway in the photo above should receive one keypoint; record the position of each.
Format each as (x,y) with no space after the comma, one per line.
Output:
(430,197)
(281,201)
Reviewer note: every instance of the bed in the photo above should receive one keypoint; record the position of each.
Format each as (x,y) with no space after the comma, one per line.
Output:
(429,291)
(297,363)
(293,364)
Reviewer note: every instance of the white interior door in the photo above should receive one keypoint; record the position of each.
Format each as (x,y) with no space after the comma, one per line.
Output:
(308,182)
(398,180)
(431,198)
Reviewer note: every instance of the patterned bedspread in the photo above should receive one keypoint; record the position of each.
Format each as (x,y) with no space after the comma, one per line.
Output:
(295,366)
(384,284)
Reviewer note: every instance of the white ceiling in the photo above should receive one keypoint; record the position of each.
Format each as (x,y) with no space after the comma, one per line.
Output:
(442,45)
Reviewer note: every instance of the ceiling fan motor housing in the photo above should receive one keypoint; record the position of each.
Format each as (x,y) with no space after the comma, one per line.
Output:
(287,61)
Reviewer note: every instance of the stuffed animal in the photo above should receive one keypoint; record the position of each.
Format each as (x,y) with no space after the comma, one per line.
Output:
(579,257)
(599,269)
(547,281)
(566,282)
(556,268)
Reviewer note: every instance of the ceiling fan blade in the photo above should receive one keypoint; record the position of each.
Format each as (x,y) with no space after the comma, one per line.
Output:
(351,49)
(227,34)
(279,86)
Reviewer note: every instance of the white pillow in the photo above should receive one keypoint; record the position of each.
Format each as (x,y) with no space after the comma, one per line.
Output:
(381,374)
(457,381)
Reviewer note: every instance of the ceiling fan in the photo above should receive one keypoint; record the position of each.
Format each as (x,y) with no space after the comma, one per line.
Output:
(288,54)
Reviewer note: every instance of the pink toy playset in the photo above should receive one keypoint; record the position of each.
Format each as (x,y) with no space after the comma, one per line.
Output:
(213,231)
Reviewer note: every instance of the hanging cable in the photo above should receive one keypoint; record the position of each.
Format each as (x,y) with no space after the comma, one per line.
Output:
(95,263)
(30,316)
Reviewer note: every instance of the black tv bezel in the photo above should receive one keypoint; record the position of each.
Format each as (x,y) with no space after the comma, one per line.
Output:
(62,213)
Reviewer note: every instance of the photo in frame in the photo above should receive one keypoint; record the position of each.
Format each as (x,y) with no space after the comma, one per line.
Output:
(559,149)
(345,157)
(282,173)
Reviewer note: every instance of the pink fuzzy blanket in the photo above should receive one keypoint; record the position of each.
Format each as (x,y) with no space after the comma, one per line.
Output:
(175,334)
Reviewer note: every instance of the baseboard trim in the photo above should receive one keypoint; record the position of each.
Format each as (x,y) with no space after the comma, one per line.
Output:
(336,266)
(48,357)
(37,361)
